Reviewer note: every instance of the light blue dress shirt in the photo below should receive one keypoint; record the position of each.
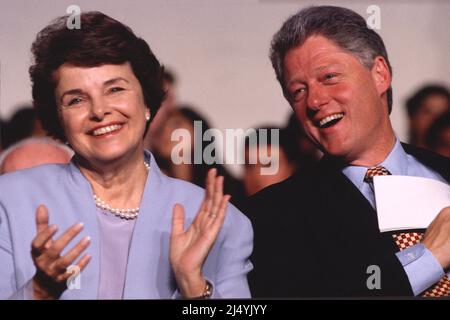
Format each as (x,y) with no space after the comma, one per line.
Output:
(421,267)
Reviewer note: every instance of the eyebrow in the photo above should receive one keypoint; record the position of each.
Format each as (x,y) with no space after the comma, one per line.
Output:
(70,92)
(114,80)
(318,69)
(106,83)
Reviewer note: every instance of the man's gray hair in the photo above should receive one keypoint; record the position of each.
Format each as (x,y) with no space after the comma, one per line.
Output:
(344,27)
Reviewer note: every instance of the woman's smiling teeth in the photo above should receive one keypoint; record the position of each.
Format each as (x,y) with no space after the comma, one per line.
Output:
(330,120)
(106,129)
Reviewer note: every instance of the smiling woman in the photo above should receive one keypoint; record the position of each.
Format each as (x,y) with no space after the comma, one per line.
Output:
(102,111)
(122,220)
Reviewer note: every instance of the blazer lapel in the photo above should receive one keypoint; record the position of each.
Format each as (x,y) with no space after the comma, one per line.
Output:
(148,271)
(83,207)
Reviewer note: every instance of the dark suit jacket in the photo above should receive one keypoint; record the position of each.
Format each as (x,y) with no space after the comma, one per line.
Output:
(316,235)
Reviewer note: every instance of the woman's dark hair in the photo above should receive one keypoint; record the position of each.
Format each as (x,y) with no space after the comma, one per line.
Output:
(437,128)
(414,103)
(200,170)
(19,127)
(100,40)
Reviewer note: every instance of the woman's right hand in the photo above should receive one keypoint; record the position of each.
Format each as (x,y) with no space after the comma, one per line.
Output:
(50,280)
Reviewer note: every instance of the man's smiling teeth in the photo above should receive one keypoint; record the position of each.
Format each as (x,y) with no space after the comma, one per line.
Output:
(107,129)
(326,120)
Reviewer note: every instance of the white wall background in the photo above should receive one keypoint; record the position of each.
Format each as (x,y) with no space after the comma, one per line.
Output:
(219,49)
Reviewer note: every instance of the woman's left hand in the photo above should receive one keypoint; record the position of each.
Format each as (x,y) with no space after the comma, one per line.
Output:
(189,248)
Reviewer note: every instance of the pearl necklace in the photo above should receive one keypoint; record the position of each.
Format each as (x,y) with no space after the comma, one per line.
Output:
(128,214)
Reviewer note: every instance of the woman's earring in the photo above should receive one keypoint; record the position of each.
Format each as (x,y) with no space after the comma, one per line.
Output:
(147,118)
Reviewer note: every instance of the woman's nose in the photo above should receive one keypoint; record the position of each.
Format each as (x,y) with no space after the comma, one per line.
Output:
(99,108)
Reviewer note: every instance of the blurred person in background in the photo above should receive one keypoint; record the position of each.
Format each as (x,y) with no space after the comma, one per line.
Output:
(184,118)
(438,136)
(169,103)
(3,132)
(23,124)
(284,151)
(32,152)
(423,107)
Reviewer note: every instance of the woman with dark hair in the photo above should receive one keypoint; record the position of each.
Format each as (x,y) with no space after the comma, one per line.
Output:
(130,230)
(423,108)
(185,118)
(438,136)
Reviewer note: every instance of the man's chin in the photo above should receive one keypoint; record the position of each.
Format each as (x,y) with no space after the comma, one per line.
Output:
(335,150)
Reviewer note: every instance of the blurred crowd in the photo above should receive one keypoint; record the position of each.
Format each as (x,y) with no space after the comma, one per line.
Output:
(25,144)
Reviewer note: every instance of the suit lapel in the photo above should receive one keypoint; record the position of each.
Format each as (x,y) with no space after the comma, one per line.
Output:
(348,207)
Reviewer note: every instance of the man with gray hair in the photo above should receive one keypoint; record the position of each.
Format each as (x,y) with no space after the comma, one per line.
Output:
(317,234)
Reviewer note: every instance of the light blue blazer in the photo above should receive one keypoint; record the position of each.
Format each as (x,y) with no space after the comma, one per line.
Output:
(68,197)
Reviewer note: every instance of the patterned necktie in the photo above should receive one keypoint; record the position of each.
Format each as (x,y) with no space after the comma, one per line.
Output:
(372,172)
(405,240)
(375,171)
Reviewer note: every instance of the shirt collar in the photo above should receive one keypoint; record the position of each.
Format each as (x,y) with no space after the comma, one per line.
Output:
(396,163)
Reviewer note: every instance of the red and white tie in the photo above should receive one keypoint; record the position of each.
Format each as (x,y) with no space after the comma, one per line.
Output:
(375,171)
(405,240)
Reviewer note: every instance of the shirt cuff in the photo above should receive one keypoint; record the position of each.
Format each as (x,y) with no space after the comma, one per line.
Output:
(421,267)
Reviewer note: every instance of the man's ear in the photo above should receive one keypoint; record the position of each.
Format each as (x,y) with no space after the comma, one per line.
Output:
(381,74)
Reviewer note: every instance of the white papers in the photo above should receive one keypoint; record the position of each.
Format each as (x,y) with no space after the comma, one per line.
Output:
(408,202)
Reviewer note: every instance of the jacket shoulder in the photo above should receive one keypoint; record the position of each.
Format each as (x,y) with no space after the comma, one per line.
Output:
(294,188)
(37,175)
(433,160)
